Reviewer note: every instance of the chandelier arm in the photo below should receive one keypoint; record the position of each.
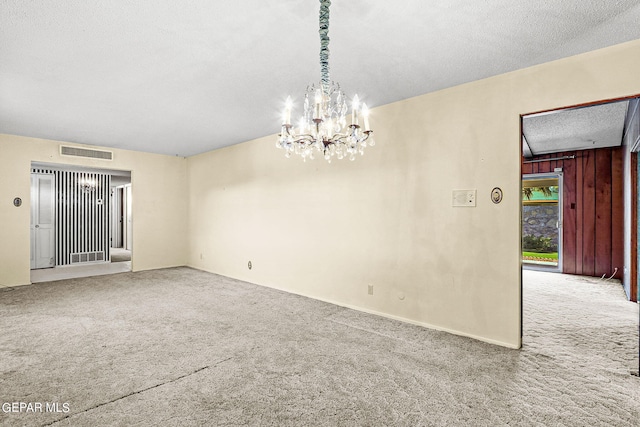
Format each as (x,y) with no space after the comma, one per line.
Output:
(305,137)
(342,139)
(324,44)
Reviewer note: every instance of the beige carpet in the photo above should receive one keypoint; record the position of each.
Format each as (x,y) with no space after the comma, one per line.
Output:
(183,347)
(120,255)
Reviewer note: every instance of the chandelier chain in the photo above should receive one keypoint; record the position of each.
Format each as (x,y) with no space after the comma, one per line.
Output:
(324,44)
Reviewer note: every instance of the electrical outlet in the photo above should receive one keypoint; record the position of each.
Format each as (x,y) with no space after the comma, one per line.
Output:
(370,289)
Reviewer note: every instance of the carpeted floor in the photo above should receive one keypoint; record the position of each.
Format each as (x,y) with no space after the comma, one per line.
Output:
(184,347)
(120,255)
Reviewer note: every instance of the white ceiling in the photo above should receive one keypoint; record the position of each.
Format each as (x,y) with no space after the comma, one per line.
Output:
(572,129)
(182,78)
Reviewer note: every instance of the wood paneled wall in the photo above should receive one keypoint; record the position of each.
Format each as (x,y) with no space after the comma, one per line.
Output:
(593,216)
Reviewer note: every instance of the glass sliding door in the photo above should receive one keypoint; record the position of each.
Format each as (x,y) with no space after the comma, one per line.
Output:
(542,221)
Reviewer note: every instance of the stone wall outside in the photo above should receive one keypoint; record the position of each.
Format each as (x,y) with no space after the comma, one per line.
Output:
(540,221)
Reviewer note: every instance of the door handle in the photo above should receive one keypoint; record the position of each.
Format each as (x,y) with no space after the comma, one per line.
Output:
(37,226)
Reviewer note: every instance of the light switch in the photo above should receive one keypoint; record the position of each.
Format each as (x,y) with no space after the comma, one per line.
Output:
(464,198)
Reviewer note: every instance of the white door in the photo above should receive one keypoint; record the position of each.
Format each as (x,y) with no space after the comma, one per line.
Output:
(128,224)
(43,242)
(116,217)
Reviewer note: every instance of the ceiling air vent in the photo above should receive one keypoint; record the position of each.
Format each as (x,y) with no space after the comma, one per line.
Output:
(85,152)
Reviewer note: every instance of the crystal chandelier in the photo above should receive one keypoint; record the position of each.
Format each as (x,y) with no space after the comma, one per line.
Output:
(323,126)
(87,185)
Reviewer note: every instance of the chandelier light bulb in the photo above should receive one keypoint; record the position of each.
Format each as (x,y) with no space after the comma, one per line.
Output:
(318,105)
(365,116)
(355,105)
(287,110)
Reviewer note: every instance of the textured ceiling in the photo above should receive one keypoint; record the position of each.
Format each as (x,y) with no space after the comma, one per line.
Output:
(182,78)
(575,129)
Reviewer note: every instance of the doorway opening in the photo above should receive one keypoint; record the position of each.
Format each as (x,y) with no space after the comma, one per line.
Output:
(590,149)
(589,152)
(121,220)
(71,221)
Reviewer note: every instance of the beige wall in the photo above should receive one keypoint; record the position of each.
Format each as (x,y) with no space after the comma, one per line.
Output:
(330,230)
(159,204)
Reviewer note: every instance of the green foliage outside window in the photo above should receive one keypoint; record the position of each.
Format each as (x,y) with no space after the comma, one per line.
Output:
(538,244)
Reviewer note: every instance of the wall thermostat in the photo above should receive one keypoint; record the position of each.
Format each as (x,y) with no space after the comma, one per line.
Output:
(496,195)
(17,202)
